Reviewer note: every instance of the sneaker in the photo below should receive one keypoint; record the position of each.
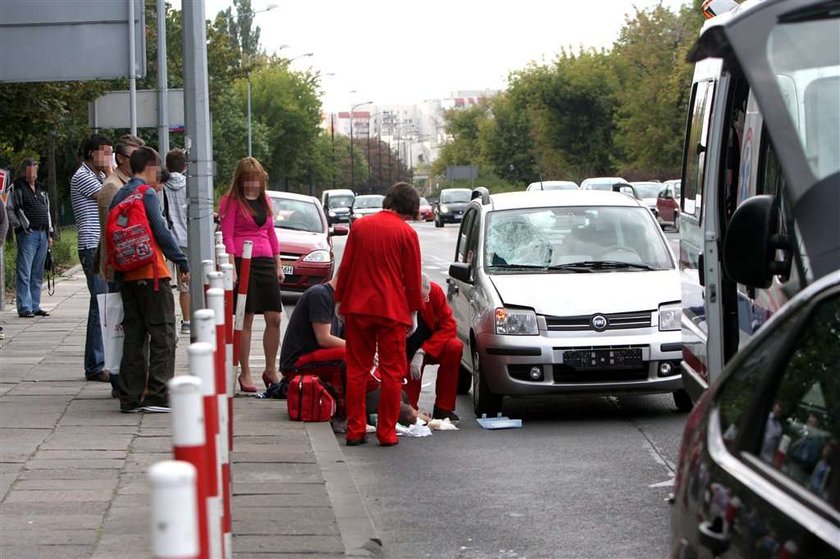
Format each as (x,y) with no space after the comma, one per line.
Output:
(185,326)
(26,314)
(128,408)
(156,409)
(41,312)
(438,413)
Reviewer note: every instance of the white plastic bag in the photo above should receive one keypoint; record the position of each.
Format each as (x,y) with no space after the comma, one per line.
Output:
(111,319)
(419,429)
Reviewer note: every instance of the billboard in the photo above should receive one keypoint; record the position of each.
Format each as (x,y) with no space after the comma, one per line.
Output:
(112,109)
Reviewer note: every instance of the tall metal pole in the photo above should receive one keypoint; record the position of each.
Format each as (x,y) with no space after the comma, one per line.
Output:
(368,159)
(332,141)
(379,145)
(163,79)
(390,165)
(132,69)
(352,167)
(248,89)
(200,178)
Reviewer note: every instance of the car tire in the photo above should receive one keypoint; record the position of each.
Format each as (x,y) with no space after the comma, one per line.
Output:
(464,380)
(438,222)
(677,223)
(484,401)
(683,401)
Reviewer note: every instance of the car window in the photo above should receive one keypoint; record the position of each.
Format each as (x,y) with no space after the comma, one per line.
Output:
(298,215)
(455,196)
(695,148)
(801,437)
(546,239)
(368,202)
(341,201)
(463,234)
(472,241)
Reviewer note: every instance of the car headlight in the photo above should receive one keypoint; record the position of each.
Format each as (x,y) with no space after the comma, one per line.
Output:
(444,209)
(332,213)
(670,316)
(319,255)
(516,322)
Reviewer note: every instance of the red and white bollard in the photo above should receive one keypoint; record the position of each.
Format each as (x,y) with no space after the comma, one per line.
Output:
(227,277)
(244,277)
(221,255)
(174,520)
(216,303)
(218,238)
(202,365)
(189,444)
(207,266)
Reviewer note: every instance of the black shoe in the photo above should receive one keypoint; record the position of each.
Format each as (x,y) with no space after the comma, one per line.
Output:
(101,376)
(356,442)
(438,413)
(28,314)
(41,312)
(128,408)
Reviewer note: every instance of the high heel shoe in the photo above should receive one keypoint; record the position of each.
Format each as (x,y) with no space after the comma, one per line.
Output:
(249,388)
(267,380)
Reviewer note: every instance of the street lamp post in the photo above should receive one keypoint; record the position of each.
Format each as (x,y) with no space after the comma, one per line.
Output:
(352,163)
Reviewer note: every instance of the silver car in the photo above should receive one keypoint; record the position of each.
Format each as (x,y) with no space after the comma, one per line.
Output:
(567,292)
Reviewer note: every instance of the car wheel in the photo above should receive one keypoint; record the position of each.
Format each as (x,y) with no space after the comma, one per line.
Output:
(484,401)
(683,401)
(677,223)
(464,380)
(438,222)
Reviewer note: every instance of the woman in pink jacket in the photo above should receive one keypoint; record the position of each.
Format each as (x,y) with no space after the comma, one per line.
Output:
(245,213)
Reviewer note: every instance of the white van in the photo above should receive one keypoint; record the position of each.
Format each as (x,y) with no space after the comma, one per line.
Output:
(338,204)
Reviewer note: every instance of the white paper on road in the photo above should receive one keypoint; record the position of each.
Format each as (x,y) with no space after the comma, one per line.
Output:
(419,429)
(442,425)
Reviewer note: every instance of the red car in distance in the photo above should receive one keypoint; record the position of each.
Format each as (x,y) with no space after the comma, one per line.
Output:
(426,213)
(305,240)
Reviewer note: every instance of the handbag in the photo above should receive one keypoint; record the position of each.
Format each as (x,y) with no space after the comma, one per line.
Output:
(49,272)
(111,315)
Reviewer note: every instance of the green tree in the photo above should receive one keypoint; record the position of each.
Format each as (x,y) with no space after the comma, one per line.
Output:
(463,126)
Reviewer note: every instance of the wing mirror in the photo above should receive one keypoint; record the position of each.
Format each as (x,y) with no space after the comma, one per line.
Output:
(339,231)
(460,271)
(753,242)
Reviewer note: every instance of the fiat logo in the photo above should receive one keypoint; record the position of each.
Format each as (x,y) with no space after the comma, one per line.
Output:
(599,322)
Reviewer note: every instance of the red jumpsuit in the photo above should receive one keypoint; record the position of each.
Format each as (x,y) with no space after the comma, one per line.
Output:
(378,289)
(442,348)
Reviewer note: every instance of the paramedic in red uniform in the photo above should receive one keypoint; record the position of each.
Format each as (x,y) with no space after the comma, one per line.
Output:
(379,294)
(435,343)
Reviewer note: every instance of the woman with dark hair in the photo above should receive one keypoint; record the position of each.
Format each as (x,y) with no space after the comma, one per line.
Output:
(29,215)
(245,214)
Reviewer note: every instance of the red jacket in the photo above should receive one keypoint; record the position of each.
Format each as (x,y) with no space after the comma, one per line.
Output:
(438,317)
(380,270)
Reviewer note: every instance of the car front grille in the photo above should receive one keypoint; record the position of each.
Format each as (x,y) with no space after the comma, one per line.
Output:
(615,321)
(290,257)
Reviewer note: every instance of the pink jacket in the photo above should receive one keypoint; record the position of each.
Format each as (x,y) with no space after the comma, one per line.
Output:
(239,226)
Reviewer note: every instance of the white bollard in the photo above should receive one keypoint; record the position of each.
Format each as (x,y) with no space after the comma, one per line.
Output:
(217,281)
(204,326)
(207,266)
(218,238)
(221,255)
(174,516)
(227,274)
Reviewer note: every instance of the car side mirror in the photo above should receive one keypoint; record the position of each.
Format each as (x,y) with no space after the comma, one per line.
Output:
(339,231)
(460,271)
(752,241)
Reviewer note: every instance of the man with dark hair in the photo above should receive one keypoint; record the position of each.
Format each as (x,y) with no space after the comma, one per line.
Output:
(85,187)
(379,294)
(175,210)
(149,308)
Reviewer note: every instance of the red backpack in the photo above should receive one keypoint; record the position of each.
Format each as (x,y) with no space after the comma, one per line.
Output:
(309,399)
(129,239)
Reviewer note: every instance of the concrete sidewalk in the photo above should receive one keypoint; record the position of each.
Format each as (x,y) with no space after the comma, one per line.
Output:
(72,468)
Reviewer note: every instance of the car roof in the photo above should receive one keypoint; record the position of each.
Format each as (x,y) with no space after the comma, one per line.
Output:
(456,190)
(551,183)
(370,196)
(291,196)
(553,198)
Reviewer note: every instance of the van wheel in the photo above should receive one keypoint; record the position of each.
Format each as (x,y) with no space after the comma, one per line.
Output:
(464,380)
(677,223)
(683,401)
(438,222)
(484,401)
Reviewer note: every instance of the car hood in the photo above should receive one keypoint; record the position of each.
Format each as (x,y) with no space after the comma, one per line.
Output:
(300,242)
(575,294)
(340,210)
(649,202)
(366,211)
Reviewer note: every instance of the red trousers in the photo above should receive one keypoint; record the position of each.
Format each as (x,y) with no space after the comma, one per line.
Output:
(446,386)
(364,333)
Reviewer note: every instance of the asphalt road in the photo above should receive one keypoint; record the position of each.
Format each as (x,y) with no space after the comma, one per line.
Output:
(584,477)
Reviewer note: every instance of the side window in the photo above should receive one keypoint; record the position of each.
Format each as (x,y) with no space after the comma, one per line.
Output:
(461,252)
(472,241)
(695,148)
(801,436)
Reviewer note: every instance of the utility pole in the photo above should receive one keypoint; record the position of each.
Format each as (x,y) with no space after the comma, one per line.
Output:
(379,146)
(368,158)
(200,145)
(332,142)
(163,79)
(132,69)
(52,186)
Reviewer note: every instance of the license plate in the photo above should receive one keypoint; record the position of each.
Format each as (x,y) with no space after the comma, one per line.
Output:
(604,358)
(288,270)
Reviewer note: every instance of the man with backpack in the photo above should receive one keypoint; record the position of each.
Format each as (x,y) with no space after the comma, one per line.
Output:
(138,245)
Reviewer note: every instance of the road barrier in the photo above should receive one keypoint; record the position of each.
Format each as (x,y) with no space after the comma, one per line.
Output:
(227,275)
(174,518)
(244,276)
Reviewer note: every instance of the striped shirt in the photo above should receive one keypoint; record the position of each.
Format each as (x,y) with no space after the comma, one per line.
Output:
(84,185)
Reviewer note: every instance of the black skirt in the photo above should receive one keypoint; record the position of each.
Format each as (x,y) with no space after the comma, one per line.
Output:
(263,286)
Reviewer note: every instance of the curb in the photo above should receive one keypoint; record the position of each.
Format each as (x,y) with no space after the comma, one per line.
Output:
(358,534)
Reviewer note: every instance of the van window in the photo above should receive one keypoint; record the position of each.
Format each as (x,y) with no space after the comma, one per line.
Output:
(695,148)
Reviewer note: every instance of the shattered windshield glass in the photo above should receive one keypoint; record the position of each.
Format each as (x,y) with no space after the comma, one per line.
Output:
(574,239)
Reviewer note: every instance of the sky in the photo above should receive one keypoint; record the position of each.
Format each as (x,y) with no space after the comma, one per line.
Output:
(403,52)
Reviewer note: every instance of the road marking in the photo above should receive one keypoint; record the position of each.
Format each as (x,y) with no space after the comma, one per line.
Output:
(430,267)
(667,483)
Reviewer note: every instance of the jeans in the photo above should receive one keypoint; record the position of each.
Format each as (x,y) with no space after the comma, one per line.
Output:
(29,270)
(94,349)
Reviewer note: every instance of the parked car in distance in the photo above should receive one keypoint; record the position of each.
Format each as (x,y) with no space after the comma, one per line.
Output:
(426,213)
(600,183)
(648,192)
(668,205)
(451,204)
(552,185)
(758,472)
(517,260)
(366,205)
(337,204)
(305,240)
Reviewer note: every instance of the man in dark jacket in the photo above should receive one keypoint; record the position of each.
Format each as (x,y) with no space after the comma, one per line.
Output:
(147,300)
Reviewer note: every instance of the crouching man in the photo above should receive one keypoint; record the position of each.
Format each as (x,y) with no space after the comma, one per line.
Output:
(435,343)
